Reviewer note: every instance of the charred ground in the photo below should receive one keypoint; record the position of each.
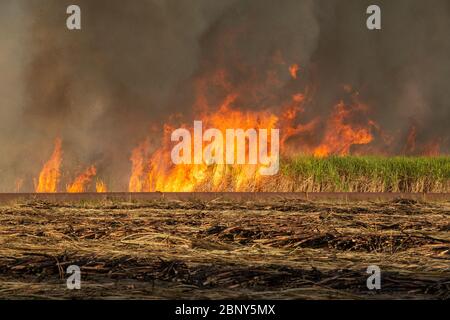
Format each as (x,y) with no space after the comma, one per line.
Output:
(225,249)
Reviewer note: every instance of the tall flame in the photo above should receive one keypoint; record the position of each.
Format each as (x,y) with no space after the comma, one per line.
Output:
(50,173)
(157,173)
(138,158)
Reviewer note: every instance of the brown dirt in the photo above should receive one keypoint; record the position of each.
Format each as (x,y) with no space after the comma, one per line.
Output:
(275,249)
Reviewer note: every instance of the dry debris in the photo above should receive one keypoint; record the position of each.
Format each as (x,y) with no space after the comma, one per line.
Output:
(278,249)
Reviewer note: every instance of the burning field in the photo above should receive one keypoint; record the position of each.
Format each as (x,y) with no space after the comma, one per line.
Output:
(298,174)
(354,122)
(89,110)
(216,249)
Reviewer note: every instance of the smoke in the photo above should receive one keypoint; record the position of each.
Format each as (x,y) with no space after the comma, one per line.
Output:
(13,62)
(402,72)
(136,63)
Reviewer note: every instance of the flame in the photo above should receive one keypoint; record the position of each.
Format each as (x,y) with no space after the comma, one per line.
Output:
(154,171)
(159,174)
(100,186)
(138,158)
(339,135)
(50,173)
(293,69)
(249,98)
(79,185)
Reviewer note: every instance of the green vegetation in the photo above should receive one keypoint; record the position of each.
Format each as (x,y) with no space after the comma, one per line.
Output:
(367,174)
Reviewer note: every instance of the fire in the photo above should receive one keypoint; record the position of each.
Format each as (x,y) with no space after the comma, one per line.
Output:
(50,173)
(80,183)
(340,135)
(154,171)
(159,174)
(263,101)
(100,186)
(293,69)
(138,158)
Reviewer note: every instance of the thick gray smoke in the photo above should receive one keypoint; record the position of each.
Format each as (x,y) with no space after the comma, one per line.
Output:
(135,63)
(403,72)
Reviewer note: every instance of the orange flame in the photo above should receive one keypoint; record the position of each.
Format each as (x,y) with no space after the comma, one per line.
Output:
(100,186)
(339,135)
(293,69)
(138,158)
(50,173)
(159,174)
(79,185)
(245,100)
(155,171)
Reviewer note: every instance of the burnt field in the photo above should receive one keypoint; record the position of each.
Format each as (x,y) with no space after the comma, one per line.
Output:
(214,248)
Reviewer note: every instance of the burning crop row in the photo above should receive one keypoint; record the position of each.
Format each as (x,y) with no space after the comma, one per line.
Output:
(51,172)
(298,174)
(347,130)
(113,100)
